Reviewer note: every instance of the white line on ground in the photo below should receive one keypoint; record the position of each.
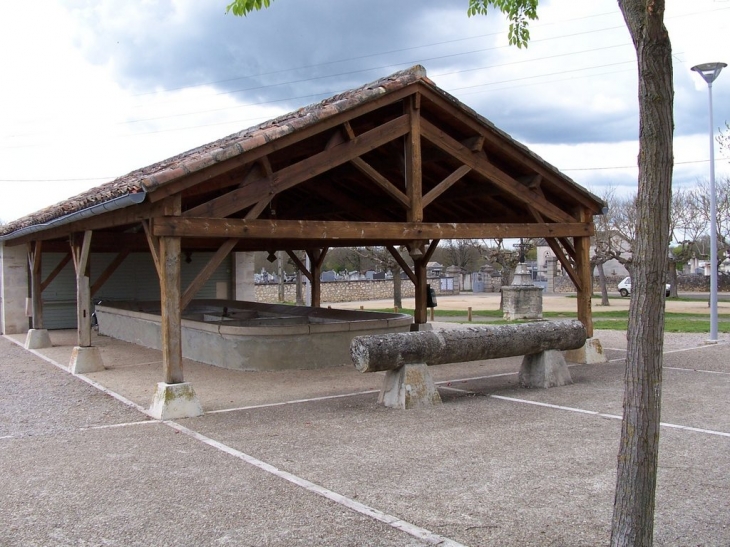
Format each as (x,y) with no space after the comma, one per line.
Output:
(696,370)
(610,416)
(395,522)
(112,426)
(292,402)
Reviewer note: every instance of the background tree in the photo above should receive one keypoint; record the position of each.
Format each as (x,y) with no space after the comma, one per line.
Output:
(464,253)
(633,515)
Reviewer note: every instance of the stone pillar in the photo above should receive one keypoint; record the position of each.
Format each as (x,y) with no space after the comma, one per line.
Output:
(455,272)
(245,285)
(13,289)
(551,263)
(522,299)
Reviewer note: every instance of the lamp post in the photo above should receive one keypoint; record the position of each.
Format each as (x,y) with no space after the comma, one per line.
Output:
(709,72)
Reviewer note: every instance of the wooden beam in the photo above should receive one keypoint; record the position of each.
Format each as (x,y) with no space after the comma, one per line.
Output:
(382,231)
(301,171)
(445,184)
(216,169)
(299,264)
(564,261)
(204,274)
(170,311)
(420,313)
(110,269)
(402,263)
(316,257)
(57,270)
(36,287)
(80,252)
(585,274)
(370,172)
(154,244)
(491,172)
(414,175)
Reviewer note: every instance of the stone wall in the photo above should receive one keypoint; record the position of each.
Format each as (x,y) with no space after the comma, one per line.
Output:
(685,283)
(347,291)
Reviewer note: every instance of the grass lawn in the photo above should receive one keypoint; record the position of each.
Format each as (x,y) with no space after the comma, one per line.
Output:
(605,320)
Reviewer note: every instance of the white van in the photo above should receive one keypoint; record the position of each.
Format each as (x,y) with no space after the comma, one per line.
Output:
(624,287)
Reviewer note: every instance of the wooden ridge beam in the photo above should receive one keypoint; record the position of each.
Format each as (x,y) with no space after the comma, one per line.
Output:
(335,230)
(494,174)
(301,171)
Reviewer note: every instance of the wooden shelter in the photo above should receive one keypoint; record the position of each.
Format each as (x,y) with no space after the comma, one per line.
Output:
(397,162)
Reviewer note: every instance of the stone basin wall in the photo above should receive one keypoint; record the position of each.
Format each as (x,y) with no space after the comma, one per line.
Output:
(251,335)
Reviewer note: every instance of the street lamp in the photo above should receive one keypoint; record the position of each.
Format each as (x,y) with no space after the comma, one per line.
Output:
(709,72)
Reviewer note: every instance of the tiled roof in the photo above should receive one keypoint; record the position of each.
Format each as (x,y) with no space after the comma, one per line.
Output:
(149,178)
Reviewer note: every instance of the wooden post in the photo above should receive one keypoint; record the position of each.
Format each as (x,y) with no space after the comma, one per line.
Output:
(316,269)
(170,309)
(414,188)
(468,313)
(36,289)
(585,276)
(420,313)
(80,248)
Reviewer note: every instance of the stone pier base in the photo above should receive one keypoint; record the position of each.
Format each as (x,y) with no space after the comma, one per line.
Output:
(419,327)
(409,386)
(591,353)
(37,339)
(172,401)
(545,369)
(85,360)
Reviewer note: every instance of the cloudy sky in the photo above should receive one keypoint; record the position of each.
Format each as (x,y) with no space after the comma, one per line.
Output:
(93,89)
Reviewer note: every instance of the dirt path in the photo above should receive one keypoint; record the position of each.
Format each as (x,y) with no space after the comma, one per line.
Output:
(551,303)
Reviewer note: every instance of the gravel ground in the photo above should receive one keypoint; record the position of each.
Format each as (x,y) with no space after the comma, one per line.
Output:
(285,458)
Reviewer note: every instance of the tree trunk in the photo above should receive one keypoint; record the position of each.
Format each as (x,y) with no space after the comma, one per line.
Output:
(633,514)
(397,291)
(673,279)
(602,281)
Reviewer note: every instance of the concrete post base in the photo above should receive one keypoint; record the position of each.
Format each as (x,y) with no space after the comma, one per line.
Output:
(545,369)
(85,360)
(173,401)
(417,327)
(409,386)
(37,339)
(591,353)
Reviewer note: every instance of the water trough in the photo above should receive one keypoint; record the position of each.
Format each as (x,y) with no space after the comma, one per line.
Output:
(250,335)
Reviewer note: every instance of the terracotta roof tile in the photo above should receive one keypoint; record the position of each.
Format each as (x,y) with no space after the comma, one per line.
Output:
(148,179)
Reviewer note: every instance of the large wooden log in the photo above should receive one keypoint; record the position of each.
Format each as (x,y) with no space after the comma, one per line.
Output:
(375,353)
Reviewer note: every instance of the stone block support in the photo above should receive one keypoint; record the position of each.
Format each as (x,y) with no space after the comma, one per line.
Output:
(172,401)
(590,353)
(409,386)
(37,339)
(14,287)
(85,359)
(545,369)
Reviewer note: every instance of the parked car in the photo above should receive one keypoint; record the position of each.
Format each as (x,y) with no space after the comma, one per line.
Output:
(624,287)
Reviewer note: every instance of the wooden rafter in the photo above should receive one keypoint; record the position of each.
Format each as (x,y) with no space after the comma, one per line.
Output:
(301,171)
(445,184)
(494,174)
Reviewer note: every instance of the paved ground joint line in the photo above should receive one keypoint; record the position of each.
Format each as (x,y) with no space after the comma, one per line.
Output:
(390,520)
(610,416)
